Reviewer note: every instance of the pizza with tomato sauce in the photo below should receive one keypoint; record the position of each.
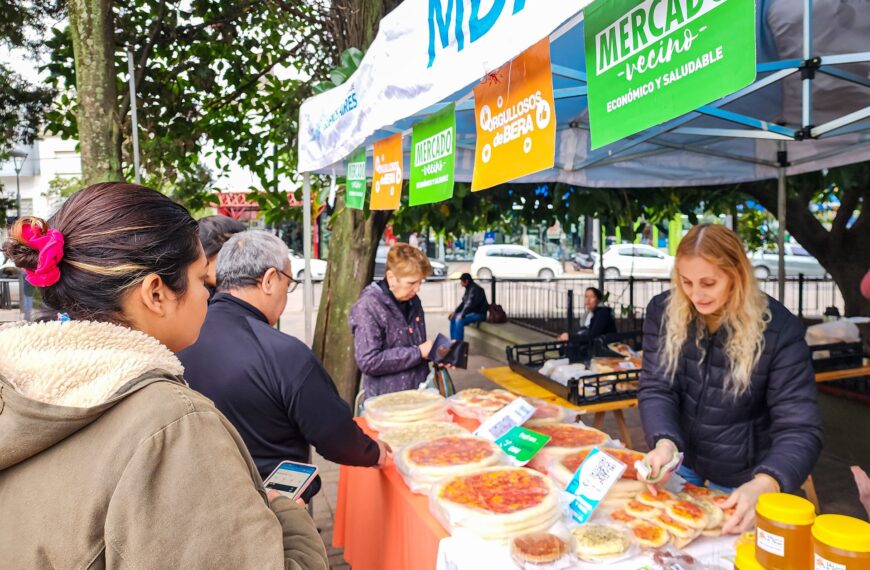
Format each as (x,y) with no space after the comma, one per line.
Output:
(545,413)
(622,516)
(687,513)
(572,437)
(563,469)
(497,502)
(428,462)
(479,404)
(649,535)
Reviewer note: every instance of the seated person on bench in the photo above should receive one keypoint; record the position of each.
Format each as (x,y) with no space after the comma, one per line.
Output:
(599,319)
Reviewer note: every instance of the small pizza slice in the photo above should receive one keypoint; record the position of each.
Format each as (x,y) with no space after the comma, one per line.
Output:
(675,528)
(682,542)
(658,500)
(622,516)
(687,513)
(718,500)
(715,515)
(698,492)
(641,510)
(649,535)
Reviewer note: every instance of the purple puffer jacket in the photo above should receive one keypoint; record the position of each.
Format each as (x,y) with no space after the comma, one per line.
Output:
(387,347)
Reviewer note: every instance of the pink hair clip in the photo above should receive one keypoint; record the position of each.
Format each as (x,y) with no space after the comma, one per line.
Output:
(50,248)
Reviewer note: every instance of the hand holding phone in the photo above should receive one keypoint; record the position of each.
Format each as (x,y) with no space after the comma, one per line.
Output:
(290,479)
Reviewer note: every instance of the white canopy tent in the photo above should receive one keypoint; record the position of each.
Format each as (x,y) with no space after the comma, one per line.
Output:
(805,112)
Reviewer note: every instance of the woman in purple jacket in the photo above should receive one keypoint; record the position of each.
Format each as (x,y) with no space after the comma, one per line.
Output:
(727,379)
(389,328)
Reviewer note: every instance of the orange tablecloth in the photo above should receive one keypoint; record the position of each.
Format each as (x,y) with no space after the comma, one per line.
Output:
(380,523)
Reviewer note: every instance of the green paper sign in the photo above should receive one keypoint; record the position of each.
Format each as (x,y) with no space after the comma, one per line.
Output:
(649,61)
(521,444)
(355,196)
(433,149)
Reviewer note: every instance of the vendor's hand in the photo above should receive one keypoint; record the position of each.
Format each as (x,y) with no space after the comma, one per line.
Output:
(451,315)
(863,483)
(563,336)
(744,499)
(426,348)
(663,454)
(385,454)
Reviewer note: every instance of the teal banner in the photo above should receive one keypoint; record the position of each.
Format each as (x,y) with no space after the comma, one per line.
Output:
(649,61)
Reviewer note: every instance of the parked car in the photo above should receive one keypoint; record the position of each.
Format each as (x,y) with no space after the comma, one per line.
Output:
(635,260)
(797,261)
(297,264)
(513,261)
(439,270)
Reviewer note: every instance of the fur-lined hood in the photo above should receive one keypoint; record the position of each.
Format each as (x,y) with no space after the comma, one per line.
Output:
(57,377)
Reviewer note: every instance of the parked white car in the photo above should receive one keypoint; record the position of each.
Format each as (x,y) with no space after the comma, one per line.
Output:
(797,261)
(636,260)
(297,263)
(513,261)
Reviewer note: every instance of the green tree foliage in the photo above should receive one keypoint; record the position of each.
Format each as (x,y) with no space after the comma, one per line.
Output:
(224,78)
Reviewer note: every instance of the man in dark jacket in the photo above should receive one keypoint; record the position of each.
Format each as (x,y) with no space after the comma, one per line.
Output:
(268,384)
(472,309)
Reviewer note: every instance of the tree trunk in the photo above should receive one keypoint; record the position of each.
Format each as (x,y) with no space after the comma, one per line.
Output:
(355,234)
(355,238)
(844,250)
(91,25)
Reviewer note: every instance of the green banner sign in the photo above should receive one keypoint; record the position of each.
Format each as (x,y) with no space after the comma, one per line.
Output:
(649,61)
(521,444)
(433,148)
(355,196)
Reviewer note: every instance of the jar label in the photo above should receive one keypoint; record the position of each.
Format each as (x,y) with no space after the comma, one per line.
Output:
(769,542)
(823,564)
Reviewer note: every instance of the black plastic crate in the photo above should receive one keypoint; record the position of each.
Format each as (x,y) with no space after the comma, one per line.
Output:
(527,359)
(840,356)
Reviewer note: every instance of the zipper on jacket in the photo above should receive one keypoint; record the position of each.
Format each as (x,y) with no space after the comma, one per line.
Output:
(705,376)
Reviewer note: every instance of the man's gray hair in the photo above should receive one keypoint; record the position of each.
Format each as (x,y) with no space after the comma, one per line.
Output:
(245,258)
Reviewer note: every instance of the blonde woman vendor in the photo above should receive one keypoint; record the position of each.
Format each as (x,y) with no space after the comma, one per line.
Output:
(727,379)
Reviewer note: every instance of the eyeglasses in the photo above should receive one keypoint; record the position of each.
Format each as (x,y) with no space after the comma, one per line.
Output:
(295,283)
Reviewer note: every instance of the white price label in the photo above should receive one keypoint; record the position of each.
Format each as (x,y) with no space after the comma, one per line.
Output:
(769,542)
(825,564)
(514,414)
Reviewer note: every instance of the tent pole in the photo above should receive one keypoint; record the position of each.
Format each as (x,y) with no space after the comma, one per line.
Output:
(807,83)
(601,239)
(307,290)
(780,214)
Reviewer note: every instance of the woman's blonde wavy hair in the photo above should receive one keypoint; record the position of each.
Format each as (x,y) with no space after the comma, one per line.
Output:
(744,316)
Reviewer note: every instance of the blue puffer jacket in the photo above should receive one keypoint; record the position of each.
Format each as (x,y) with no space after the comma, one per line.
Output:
(774,427)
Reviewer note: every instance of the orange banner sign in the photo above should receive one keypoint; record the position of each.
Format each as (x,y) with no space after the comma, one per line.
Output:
(387,178)
(516,119)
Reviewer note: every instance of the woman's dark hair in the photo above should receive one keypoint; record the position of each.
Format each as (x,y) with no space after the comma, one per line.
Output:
(214,231)
(115,234)
(597,292)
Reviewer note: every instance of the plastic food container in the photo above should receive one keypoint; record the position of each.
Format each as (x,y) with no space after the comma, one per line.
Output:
(783,532)
(745,559)
(841,543)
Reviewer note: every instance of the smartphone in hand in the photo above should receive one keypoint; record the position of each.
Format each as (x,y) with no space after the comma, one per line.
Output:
(291,478)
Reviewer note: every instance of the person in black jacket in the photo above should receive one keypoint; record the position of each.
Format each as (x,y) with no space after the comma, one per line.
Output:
(472,309)
(727,379)
(214,231)
(268,384)
(599,319)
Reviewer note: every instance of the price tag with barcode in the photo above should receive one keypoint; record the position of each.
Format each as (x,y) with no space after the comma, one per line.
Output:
(514,414)
(591,482)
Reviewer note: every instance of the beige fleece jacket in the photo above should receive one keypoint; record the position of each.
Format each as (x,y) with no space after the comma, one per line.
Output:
(108,460)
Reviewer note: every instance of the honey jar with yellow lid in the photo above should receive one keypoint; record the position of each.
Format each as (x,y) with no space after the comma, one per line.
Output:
(841,543)
(783,539)
(745,559)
